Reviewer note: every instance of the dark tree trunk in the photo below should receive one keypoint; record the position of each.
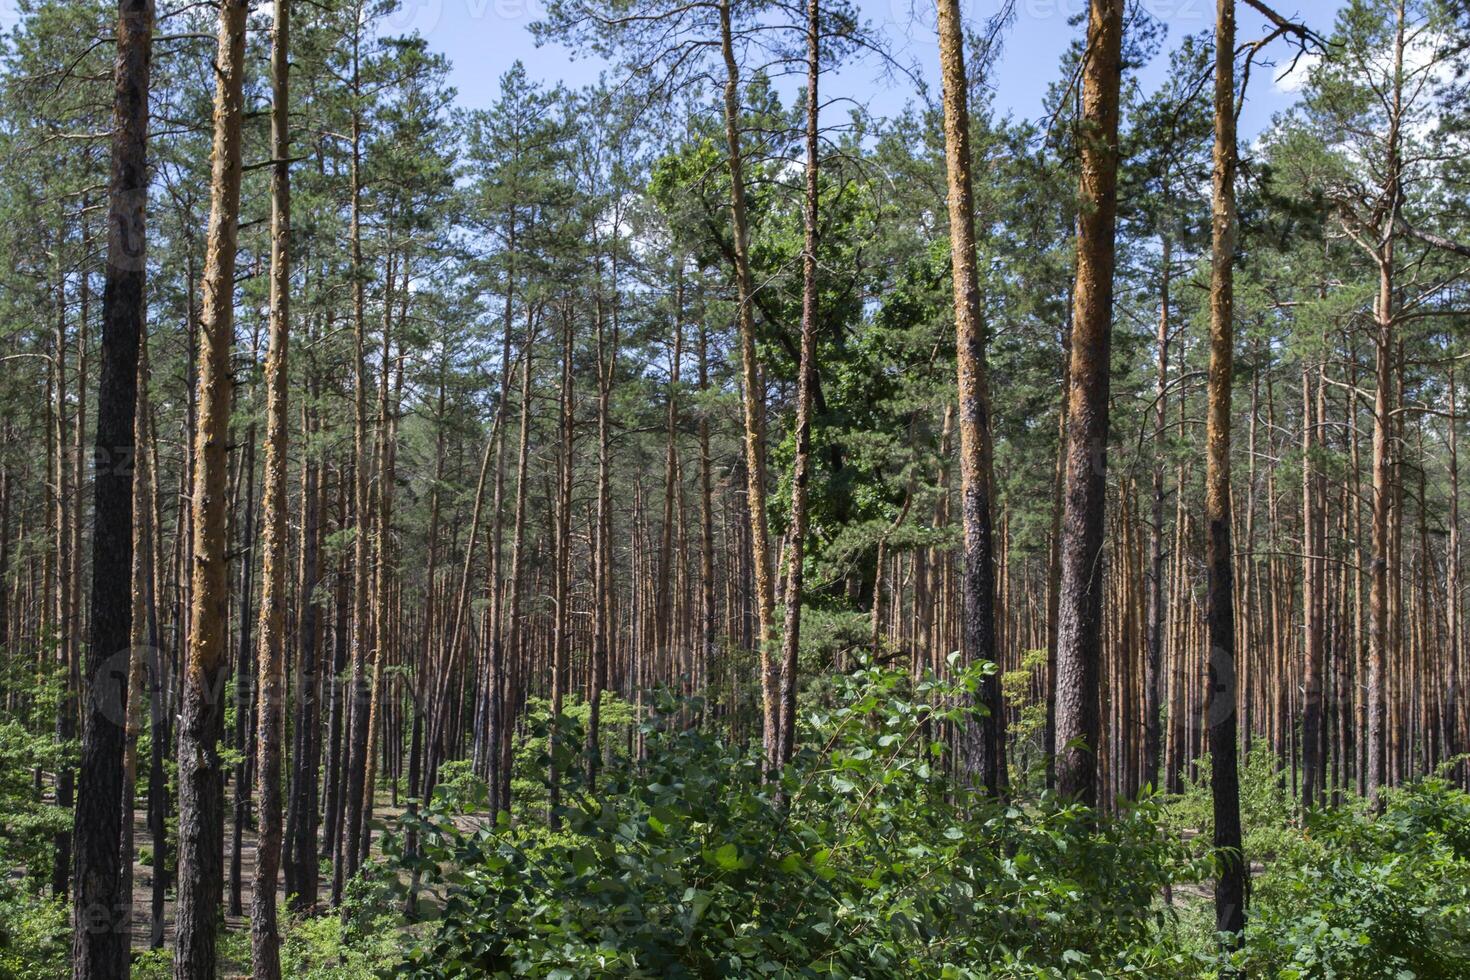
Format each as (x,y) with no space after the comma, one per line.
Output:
(1153,672)
(336,715)
(753,385)
(244,677)
(1220,706)
(102,931)
(301,813)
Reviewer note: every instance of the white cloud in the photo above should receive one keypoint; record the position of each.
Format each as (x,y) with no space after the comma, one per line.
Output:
(1295,77)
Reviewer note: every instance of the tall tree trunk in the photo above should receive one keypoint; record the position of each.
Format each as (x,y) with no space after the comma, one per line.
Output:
(706,527)
(488,702)
(1153,670)
(66,591)
(358,690)
(1054,561)
(201,788)
(336,763)
(433,648)
(505,675)
(265,938)
(1220,614)
(561,641)
(301,817)
(144,660)
(664,590)
(984,737)
(244,679)
(101,887)
(805,381)
(1313,581)
(160,701)
(602,624)
(380,578)
(1084,494)
(754,390)
(1454,625)
(1379,612)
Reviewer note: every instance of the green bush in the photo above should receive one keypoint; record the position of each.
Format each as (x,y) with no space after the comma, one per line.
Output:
(861,859)
(28,825)
(1267,810)
(528,773)
(363,942)
(35,935)
(153,964)
(1358,897)
(459,781)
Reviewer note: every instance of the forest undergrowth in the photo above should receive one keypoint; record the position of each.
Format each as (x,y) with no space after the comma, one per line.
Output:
(862,858)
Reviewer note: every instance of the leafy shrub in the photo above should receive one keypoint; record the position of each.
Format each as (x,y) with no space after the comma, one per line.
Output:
(153,964)
(528,773)
(1266,808)
(361,943)
(35,938)
(1359,897)
(861,858)
(459,781)
(35,935)
(28,825)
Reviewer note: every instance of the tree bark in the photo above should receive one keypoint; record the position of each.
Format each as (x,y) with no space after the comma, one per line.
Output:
(602,614)
(244,679)
(202,712)
(806,376)
(1230,880)
(1313,580)
(561,641)
(984,736)
(103,902)
(357,689)
(754,392)
(504,675)
(1085,487)
(144,662)
(265,937)
(1153,671)
(1379,611)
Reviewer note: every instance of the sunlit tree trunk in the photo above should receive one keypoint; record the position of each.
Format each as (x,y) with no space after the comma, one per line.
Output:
(202,711)
(984,737)
(806,376)
(357,691)
(561,640)
(265,937)
(1313,580)
(1379,612)
(1084,493)
(754,391)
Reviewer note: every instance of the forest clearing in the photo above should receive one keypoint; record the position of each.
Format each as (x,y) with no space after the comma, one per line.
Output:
(733,488)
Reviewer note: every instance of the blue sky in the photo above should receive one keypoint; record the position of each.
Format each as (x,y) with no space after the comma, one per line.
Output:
(483,38)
